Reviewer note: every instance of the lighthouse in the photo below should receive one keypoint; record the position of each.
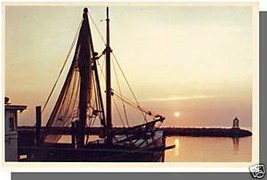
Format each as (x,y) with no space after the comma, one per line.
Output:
(236,123)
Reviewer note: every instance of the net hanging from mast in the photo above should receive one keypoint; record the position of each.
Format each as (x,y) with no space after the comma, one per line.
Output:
(67,107)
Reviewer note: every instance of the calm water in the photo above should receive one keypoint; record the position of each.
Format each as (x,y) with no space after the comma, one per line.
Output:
(204,149)
(209,149)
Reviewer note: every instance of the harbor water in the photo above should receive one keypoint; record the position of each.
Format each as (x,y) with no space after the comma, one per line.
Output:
(204,149)
(209,149)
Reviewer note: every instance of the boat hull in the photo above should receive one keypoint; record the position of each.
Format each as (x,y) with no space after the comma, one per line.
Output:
(143,150)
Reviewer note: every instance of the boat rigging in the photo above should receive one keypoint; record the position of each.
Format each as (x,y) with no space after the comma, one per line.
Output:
(80,103)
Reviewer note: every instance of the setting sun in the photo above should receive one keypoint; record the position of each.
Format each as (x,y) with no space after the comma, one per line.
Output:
(177,114)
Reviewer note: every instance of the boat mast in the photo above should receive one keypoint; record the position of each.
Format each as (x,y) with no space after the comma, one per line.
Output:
(108,84)
(84,63)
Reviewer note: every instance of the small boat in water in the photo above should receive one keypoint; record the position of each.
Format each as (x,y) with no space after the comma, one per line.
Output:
(80,104)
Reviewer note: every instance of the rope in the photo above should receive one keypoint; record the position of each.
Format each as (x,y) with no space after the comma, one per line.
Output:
(101,69)
(118,112)
(53,88)
(90,16)
(145,111)
(128,84)
(118,84)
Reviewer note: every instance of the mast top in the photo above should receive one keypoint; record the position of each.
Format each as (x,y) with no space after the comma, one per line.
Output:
(107,13)
(85,10)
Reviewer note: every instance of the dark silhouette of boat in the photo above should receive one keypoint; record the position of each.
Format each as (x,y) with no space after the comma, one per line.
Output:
(80,103)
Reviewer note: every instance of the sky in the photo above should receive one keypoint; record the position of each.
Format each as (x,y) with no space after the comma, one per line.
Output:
(191,63)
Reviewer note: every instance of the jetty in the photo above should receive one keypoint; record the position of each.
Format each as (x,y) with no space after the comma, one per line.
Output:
(27,133)
(207,132)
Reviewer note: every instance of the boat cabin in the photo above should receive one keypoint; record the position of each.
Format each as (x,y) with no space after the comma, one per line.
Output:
(11,133)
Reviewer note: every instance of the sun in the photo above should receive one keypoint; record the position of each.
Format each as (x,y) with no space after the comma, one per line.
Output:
(177,114)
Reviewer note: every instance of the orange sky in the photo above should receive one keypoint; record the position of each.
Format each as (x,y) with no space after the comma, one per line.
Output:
(195,60)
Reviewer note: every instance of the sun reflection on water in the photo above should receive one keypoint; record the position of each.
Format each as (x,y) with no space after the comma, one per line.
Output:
(177,146)
(208,149)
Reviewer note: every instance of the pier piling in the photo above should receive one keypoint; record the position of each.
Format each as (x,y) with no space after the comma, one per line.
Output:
(38,125)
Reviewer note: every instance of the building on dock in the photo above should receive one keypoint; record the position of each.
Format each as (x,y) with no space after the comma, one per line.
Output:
(11,132)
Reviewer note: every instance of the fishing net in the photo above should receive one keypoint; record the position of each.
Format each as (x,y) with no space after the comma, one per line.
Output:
(67,106)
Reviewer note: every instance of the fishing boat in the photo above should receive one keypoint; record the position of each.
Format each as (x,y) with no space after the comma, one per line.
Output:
(81,103)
